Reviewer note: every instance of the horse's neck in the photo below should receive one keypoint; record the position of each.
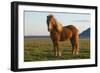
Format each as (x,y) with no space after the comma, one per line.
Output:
(59,27)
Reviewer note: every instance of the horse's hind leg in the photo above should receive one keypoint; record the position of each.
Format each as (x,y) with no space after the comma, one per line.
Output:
(77,45)
(76,49)
(73,46)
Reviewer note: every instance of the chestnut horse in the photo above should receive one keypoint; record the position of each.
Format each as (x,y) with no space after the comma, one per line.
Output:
(59,33)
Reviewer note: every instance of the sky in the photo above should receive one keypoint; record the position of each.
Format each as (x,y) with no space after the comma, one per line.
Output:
(35,22)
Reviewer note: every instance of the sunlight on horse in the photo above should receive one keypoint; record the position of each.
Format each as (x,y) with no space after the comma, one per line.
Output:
(60,33)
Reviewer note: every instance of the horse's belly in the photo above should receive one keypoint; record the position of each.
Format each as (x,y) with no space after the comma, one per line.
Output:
(66,34)
(63,37)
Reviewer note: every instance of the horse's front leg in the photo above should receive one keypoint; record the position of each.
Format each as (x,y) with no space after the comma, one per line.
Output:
(55,50)
(58,49)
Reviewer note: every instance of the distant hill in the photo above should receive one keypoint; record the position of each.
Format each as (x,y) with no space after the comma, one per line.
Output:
(36,36)
(85,34)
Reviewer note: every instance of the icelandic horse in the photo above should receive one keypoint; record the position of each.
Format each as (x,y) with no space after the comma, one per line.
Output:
(60,33)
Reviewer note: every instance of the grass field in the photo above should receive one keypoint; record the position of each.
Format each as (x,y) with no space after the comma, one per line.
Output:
(41,49)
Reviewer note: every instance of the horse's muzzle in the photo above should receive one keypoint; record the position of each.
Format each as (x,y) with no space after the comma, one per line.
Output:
(49,29)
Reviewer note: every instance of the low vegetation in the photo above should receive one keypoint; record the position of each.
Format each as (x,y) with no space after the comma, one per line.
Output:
(41,49)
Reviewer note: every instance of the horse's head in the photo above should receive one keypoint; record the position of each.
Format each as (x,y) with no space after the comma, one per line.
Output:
(51,22)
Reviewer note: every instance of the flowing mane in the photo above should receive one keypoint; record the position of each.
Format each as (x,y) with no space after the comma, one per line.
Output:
(59,26)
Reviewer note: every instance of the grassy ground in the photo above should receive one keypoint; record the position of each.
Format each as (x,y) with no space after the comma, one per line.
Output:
(41,49)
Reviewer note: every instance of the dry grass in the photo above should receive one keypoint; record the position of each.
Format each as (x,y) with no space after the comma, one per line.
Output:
(41,49)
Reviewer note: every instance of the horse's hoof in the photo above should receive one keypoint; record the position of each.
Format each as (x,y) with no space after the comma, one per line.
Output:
(73,53)
(59,54)
(56,55)
(77,53)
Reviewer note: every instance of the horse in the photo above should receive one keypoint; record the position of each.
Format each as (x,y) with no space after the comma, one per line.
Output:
(61,33)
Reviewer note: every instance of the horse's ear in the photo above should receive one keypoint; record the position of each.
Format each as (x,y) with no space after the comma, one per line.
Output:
(59,26)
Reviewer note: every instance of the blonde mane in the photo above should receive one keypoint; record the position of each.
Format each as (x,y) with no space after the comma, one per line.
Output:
(59,26)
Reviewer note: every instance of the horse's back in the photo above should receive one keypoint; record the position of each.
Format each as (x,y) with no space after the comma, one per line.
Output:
(72,28)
